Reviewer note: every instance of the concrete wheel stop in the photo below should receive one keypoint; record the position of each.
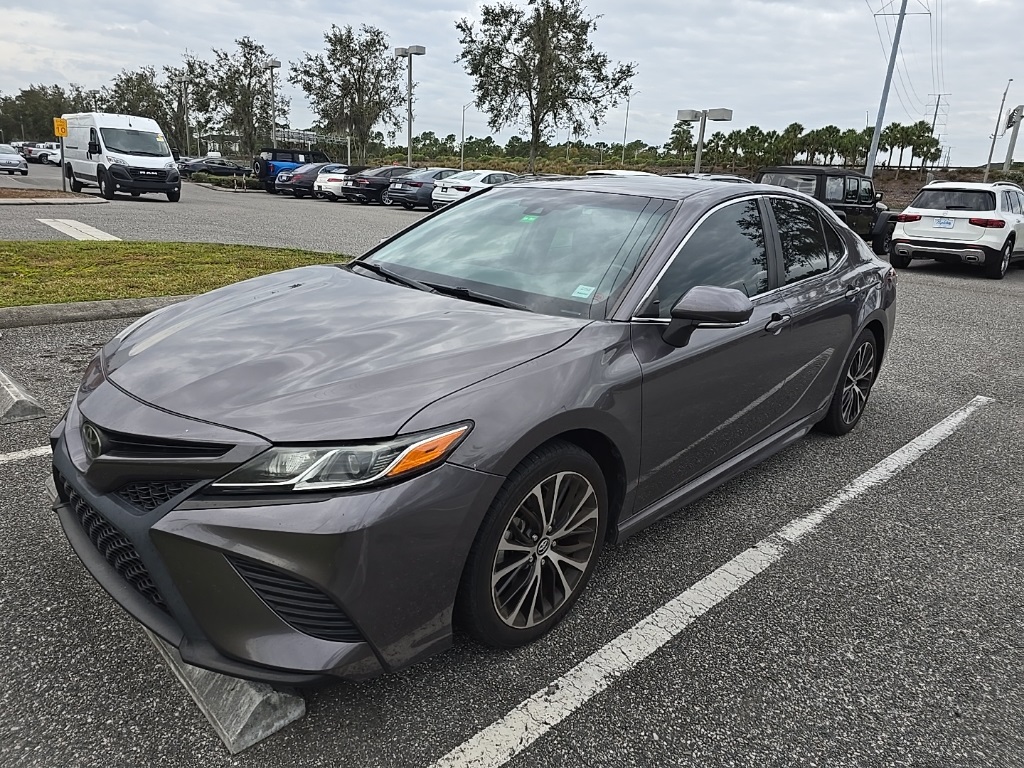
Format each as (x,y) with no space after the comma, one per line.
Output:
(15,403)
(242,712)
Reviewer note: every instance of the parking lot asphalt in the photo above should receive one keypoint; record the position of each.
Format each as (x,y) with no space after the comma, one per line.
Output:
(206,214)
(891,636)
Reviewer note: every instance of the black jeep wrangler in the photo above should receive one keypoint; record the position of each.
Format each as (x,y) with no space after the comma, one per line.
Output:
(850,194)
(271,161)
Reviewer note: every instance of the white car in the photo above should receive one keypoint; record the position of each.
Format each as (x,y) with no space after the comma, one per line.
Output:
(328,184)
(40,152)
(458,185)
(12,161)
(53,157)
(962,222)
(618,172)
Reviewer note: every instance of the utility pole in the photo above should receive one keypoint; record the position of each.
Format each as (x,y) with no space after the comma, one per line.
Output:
(995,134)
(869,170)
(1018,114)
(938,103)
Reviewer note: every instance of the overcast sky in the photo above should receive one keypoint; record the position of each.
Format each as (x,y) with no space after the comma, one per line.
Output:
(773,62)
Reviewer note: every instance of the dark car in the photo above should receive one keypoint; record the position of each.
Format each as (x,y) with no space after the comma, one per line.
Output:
(215,166)
(415,188)
(849,193)
(299,182)
(373,185)
(310,474)
(271,161)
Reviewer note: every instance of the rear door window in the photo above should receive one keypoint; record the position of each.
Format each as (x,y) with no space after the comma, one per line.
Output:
(867,191)
(804,250)
(834,189)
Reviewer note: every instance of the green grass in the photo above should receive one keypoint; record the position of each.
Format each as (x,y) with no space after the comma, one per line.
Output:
(57,271)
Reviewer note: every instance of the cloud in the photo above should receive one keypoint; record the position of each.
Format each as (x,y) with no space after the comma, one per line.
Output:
(773,62)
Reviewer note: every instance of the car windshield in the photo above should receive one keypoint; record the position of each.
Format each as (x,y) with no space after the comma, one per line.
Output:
(553,251)
(128,141)
(7,149)
(955,199)
(798,181)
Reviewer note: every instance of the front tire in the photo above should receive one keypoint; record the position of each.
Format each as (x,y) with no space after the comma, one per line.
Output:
(106,185)
(536,549)
(385,198)
(174,196)
(997,264)
(408,206)
(854,387)
(23,173)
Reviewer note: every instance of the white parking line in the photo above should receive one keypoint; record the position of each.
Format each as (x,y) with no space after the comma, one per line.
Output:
(77,229)
(500,742)
(28,453)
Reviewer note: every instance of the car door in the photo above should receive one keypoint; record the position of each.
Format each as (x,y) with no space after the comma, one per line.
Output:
(726,388)
(1013,202)
(822,293)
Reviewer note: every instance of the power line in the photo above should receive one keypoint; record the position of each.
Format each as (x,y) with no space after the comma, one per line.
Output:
(900,72)
(881,44)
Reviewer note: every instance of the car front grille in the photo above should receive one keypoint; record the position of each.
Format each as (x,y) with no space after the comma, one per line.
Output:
(297,603)
(113,545)
(148,174)
(148,495)
(138,446)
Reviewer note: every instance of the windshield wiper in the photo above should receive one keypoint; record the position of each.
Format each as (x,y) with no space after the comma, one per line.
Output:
(394,277)
(483,298)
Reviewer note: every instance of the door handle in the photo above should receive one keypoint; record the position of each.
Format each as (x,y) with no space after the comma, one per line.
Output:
(777,323)
(851,292)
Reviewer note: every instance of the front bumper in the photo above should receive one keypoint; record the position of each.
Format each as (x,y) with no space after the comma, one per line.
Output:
(944,250)
(283,591)
(130,179)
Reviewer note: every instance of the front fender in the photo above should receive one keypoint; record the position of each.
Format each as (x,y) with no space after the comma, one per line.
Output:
(884,219)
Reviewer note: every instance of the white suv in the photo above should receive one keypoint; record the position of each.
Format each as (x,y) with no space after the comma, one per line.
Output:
(962,222)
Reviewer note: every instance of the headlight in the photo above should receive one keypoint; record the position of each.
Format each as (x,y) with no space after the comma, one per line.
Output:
(316,468)
(115,160)
(171,164)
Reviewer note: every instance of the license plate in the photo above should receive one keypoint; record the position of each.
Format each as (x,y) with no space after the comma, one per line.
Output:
(941,223)
(396,186)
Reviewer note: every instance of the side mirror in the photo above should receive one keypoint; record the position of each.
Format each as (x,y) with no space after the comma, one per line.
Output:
(707,306)
(94,147)
(878,196)
(175,154)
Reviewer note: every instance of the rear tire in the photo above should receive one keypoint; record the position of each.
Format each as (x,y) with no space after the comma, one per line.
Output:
(385,198)
(882,241)
(269,186)
(851,396)
(408,206)
(899,261)
(997,264)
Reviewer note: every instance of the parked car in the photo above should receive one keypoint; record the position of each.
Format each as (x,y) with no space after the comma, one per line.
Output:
(416,188)
(53,157)
(458,185)
(37,153)
(330,185)
(618,172)
(215,166)
(302,180)
(12,161)
(25,147)
(849,193)
(372,185)
(311,474)
(727,177)
(271,161)
(960,222)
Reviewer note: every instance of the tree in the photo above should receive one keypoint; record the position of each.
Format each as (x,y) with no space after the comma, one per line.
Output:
(354,85)
(536,67)
(187,99)
(238,83)
(680,141)
(135,93)
(29,115)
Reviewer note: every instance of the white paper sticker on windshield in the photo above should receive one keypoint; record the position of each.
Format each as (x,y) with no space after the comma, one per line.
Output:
(584,291)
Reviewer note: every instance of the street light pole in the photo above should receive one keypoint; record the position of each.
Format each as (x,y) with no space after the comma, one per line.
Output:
(625,128)
(272,64)
(689,115)
(462,145)
(995,133)
(408,53)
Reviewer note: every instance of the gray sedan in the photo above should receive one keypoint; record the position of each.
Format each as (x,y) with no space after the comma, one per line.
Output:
(11,161)
(320,473)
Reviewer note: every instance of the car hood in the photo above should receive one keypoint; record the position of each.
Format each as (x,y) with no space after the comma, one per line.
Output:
(319,353)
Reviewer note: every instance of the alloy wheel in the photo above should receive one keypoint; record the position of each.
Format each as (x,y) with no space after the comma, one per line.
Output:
(544,552)
(385,198)
(1007,253)
(859,377)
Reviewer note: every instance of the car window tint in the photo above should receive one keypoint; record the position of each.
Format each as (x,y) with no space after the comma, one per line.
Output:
(804,252)
(867,191)
(852,189)
(834,189)
(836,247)
(799,182)
(1020,202)
(727,250)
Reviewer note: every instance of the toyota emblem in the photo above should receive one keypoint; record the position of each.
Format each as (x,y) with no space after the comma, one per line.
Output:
(92,439)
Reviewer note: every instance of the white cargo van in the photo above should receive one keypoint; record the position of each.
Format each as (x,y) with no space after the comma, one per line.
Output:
(119,153)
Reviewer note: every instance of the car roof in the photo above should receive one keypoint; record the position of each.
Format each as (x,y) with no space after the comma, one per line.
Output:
(664,187)
(978,185)
(813,169)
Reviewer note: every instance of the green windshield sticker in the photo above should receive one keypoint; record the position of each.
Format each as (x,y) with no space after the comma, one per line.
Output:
(584,291)
(528,218)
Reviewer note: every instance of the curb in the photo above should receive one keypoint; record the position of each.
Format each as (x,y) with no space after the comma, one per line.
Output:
(77,312)
(52,201)
(16,404)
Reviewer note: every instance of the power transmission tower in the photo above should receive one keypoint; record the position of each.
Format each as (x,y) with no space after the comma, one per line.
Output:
(938,103)
(870,168)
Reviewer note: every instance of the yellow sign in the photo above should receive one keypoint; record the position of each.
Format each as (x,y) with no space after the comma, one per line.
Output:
(60,127)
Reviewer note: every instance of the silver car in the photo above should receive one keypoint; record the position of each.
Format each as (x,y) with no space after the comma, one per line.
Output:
(11,161)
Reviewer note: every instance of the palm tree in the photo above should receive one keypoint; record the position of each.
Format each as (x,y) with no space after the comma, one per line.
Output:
(831,136)
(890,139)
(790,142)
(714,146)
(732,145)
